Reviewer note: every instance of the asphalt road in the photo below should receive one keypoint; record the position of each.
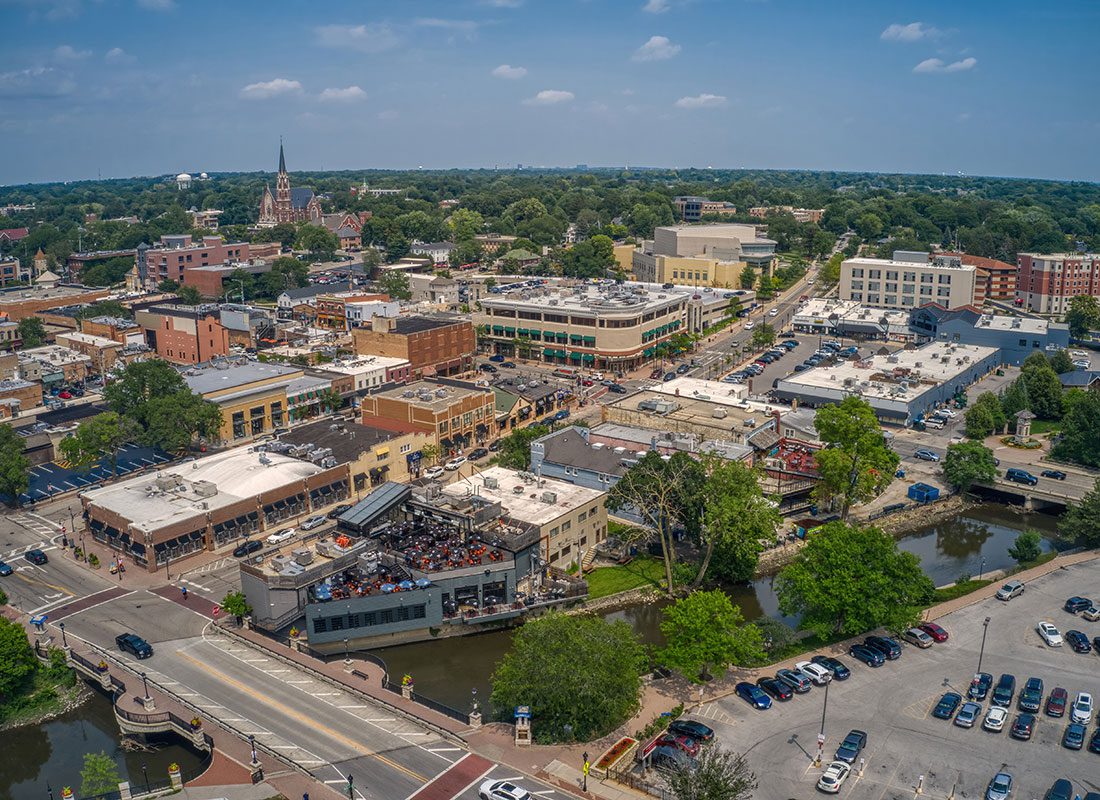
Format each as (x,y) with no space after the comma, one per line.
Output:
(893,704)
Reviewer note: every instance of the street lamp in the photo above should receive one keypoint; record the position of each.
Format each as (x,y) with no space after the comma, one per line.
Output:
(64,641)
(981,569)
(347,658)
(145,685)
(981,653)
(145,772)
(821,735)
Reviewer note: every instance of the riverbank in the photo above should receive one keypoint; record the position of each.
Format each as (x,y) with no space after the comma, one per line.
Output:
(47,699)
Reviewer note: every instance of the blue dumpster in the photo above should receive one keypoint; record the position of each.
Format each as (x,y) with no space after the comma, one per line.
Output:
(923,493)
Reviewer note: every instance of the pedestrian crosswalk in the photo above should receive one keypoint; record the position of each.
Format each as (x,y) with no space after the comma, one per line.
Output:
(37,524)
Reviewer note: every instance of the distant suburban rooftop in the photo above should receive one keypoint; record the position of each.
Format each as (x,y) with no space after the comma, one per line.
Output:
(526,505)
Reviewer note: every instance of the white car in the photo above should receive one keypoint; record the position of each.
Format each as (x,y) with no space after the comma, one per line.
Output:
(815,672)
(313,522)
(502,790)
(1081,710)
(774,312)
(1049,634)
(597,376)
(1082,363)
(750,325)
(995,718)
(1092,613)
(947,412)
(431,473)
(285,535)
(833,777)
(454,463)
(1078,354)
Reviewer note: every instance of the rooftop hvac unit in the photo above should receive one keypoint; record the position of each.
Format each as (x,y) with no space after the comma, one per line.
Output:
(550,498)
(620,450)
(918,364)
(265,460)
(597,445)
(205,488)
(892,359)
(280,562)
(440,392)
(491,482)
(849,381)
(328,462)
(718,413)
(302,555)
(408,393)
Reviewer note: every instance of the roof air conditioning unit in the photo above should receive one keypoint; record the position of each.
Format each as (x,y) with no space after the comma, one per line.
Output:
(491,482)
(550,498)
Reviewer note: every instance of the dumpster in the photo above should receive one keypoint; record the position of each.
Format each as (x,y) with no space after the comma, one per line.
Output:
(923,493)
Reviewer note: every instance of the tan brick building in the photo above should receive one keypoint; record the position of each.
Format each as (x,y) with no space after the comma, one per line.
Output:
(440,345)
(455,414)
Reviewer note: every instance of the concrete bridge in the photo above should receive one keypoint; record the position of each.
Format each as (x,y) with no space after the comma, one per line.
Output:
(1047,493)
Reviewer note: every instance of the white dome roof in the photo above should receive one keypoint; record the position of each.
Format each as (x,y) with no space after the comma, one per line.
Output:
(203,175)
(183,176)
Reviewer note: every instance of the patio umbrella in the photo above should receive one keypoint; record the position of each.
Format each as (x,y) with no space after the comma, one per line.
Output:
(405,585)
(388,587)
(423,583)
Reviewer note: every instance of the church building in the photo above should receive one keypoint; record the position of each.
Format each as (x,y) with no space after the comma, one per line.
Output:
(288,205)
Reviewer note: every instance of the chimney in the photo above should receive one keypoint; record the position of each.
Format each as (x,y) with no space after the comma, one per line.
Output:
(778,423)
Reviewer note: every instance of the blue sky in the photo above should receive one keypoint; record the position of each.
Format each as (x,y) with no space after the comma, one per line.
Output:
(148,87)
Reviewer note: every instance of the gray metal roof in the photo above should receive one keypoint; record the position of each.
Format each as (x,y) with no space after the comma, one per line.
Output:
(386,497)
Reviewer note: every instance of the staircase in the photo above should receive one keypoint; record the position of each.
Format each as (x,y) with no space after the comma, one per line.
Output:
(589,557)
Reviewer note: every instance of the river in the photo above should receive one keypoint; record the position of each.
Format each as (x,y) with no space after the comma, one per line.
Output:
(53,753)
(448,670)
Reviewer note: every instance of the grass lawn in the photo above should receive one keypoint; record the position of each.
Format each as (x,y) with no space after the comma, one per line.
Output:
(1045,426)
(643,571)
(958,590)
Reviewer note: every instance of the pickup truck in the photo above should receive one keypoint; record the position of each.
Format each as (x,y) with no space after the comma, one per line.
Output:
(134,644)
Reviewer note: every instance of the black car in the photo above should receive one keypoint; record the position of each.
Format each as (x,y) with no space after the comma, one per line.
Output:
(777,689)
(617,388)
(1078,641)
(1061,789)
(35,556)
(1094,742)
(508,365)
(1075,604)
(852,746)
(1031,696)
(980,686)
(1056,474)
(476,453)
(487,368)
(494,445)
(134,644)
(669,376)
(1074,737)
(1023,727)
(340,509)
(945,708)
(885,645)
(247,548)
(1004,691)
(665,758)
(840,672)
(689,727)
(683,368)
(868,655)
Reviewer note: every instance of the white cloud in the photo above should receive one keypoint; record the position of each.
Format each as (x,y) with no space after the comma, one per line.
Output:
(938,65)
(157,5)
(36,82)
(656,6)
(549,97)
(701,101)
(466,27)
(67,53)
(509,72)
(350,94)
(116,55)
(911,32)
(272,88)
(362,38)
(658,48)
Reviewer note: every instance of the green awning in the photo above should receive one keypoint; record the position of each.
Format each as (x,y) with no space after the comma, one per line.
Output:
(589,339)
(648,352)
(562,338)
(522,331)
(575,337)
(549,335)
(498,329)
(559,353)
(548,352)
(588,357)
(575,356)
(509,331)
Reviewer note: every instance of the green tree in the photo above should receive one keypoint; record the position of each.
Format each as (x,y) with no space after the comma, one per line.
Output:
(736,518)
(14,464)
(102,435)
(968,463)
(17,661)
(1060,362)
(856,464)
(1015,399)
(777,635)
(580,675)
(32,332)
(167,286)
(747,277)
(515,448)
(189,295)
(236,604)
(99,775)
(716,774)
(1080,442)
(1081,522)
(429,453)
(830,271)
(466,252)
(395,283)
(140,382)
(734,307)
(465,224)
(1027,547)
(317,241)
(979,422)
(705,630)
(172,423)
(1083,316)
(763,336)
(992,403)
(850,579)
(1044,390)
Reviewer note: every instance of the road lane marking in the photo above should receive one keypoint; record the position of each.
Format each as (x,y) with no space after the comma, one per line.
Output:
(443,749)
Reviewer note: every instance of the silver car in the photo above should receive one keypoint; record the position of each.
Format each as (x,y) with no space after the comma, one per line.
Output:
(1000,787)
(1010,590)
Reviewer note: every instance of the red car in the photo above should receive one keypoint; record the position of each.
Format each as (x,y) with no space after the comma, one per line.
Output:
(586,382)
(65,395)
(934,630)
(680,742)
(1056,702)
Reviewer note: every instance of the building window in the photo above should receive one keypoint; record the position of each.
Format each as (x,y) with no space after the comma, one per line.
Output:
(238,424)
(566,525)
(857,272)
(277,413)
(875,273)
(320,625)
(1023,343)
(910,276)
(405,448)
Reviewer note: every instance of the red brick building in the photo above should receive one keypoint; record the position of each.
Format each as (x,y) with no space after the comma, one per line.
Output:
(432,345)
(995,280)
(183,334)
(169,260)
(1046,283)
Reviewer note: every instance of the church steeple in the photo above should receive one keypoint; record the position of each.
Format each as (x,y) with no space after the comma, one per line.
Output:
(282,161)
(282,183)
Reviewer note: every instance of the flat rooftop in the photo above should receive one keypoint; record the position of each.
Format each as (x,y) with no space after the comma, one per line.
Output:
(684,387)
(233,475)
(232,374)
(435,395)
(903,375)
(347,440)
(357,366)
(1003,322)
(589,299)
(53,354)
(418,324)
(882,263)
(41,293)
(87,338)
(525,505)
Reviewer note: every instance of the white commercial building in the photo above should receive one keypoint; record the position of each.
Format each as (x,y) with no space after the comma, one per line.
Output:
(907,281)
(368,371)
(831,317)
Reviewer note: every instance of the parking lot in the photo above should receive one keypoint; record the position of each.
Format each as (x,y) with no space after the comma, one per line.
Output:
(893,704)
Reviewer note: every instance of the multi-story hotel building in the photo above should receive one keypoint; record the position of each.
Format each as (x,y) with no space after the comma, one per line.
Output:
(605,327)
(908,280)
(1046,283)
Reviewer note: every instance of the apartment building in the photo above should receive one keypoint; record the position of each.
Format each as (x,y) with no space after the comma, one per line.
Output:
(800,214)
(436,345)
(995,280)
(184,334)
(455,413)
(908,280)
(172,255)
(1045,283)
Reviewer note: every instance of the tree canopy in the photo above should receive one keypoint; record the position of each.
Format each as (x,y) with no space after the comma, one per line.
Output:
(515,448)
(717,774)
(580,675)
(1080,442)
(14,464)
(102,435)
(32,332)
(1081,522)
(17,660)
(99,775)
(856,464)
(736,519)
(1083,316)
(705,631)
(968,463)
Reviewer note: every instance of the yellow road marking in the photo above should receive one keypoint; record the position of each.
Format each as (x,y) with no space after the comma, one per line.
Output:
(44,583)
(303,718)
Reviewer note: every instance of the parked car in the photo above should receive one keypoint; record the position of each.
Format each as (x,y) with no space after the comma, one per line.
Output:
(670,759)
(340,509)
(315,521)
(1081,710)
(799,683)
(433,472)
(669,376)
(1092,613)
(36,556)
(937,633)
(885,645)
(753,695)
(507,364)
(680,370)
(5,569)
(1017,475)
(680,741)
(1031,696)
(1061,789)
(750,325)
(502,790)
(134,644)
(917,637)
(1000,787)
(488,368)
(776,688)
(1023,726)
(1056,474)
(840,672)
(815,672)
(247,548)
(869,656)
(1074,737)
(454,463)
(947,704)
(968,715)
(1077,604)
(689,727)
(1056,702)
(979,686)
(1049,634)
(498,358)
(926,455)
(478,453)
(1078,641)
(851,747)
(562,414)
(833,777)
(494,445)
(995,719)
(1005,690)
(284,535)
(1010,590)
(1094,742)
